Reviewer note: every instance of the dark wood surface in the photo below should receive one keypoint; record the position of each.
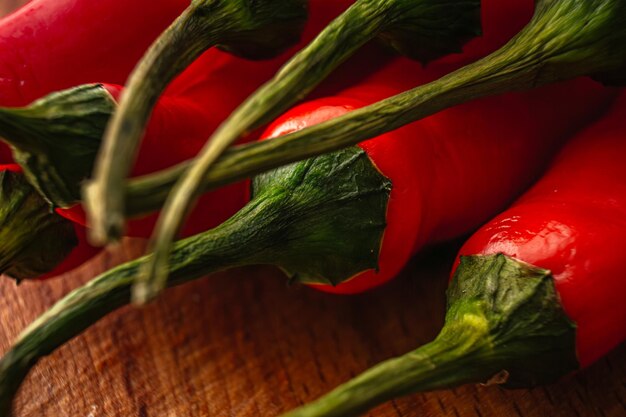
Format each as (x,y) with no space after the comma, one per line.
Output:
(243,343)
(7,6)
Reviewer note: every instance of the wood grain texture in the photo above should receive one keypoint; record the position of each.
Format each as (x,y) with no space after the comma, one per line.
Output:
(243,343)
(7,6)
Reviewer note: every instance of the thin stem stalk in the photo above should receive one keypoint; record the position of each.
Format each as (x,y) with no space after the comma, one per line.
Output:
(443,363)
(148,193)
(190,35)
(346,34)
(504,325)
(192,258)
(565,39)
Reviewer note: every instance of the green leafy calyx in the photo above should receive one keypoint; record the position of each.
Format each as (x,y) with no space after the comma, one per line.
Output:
(504,325)
(254,29)
(426,30)
(527,333)
(56,139)
(321,220)
(32,239)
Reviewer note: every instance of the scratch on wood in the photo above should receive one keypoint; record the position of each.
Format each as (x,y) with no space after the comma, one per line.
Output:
(548,395)
(441,405)
(143,410)
(517,409)
(394,404)
(478,412)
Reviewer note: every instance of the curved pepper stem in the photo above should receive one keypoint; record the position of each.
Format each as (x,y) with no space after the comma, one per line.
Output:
(565,39)
(252,29)
(303,213)
(399,22)
(297,220)
(192,258)
(504,325)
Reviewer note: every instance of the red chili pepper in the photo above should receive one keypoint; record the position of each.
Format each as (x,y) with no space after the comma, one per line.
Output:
(405,33)
(572,223)
(50,45)
(194,105)
(510,320)
(454,170)
(170,138)
(564,40)
(176,132)
(324,217)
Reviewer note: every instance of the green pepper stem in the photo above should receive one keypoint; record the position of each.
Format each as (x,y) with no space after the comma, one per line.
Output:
(311,201)
(190,35)
(504,325)
(192,258)
(296,220)
(363,21)
(565,39)
(254,30)
(445,362)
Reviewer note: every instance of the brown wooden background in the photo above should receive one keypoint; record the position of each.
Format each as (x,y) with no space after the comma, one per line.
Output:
(7,5)
(242,343)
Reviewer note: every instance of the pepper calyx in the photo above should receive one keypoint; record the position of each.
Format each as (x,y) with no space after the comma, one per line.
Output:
(528,330)
(264,29)
(504,324)
(33,240)
(427,30)
(323,218)
(55,139)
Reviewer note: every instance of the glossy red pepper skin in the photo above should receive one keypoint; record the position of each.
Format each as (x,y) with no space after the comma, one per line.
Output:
(454,170)
(50,45)
(196,103)
(501,20)
(193,106)
(176,132)
(573,222)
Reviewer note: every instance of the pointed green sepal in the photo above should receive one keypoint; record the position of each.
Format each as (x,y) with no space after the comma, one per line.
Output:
(528,336)
(427,30)
(612,79)
(322,219)
(264,28)
(32,239)
(56,139)
(504,325)
(570,38)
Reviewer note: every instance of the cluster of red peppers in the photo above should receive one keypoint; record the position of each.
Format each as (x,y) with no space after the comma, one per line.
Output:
(346,186)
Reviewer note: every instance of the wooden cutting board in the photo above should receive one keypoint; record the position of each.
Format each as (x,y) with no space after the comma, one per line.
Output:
(244,344)
(7,6)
